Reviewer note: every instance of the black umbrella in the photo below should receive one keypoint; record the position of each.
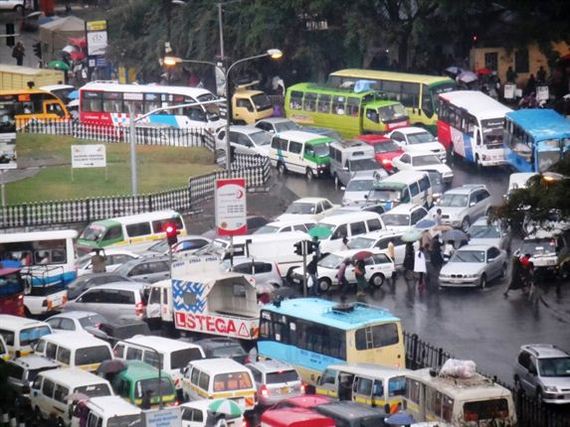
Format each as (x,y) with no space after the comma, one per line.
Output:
(111,366)
(454,235)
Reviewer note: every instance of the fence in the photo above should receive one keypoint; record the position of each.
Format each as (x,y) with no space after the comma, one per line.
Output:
(530,412)
(255,169)
(145,135)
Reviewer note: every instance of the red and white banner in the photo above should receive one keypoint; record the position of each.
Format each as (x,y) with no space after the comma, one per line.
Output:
(231,208)
(218,325)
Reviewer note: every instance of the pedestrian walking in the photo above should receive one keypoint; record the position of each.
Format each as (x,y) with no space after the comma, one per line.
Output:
(341,276)
(541,75)
(19,52)
(360,274)
(98,262)
(420,268)
(436,257)
(409,259)
(511,75)
(437,217)
(313,279)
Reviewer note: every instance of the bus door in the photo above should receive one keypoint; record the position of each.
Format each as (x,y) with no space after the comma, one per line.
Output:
(371,121)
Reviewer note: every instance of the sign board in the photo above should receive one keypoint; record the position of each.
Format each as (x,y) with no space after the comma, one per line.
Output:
(96,35)
(88,156)
(542,93)
(171,417)
(230,199)
(510,91)
(8,151)
(247,329)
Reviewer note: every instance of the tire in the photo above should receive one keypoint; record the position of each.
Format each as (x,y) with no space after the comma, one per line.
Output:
(336,181)
(281,168)
(324,284)
(465,224)
(483,282)
(377,280)
(309,174)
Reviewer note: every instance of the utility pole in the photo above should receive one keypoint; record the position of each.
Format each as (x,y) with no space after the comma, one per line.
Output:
(305,268)
(221,30)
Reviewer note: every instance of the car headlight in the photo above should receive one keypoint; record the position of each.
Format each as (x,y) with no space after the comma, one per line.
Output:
(550,389)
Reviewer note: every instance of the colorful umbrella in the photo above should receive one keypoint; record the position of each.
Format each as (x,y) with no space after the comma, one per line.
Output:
(401,418)
(58,65)
(361,255)
(74,94)
(484,71)
(226,407)
(76,396)
(320,232)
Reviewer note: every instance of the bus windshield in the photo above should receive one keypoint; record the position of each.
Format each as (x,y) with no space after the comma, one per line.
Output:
(441,88)
(261,102)
(93,232)
(392,112)
(546,159)
(491,409)
(493,132)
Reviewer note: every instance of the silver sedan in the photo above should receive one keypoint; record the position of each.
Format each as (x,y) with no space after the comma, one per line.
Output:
(474,266)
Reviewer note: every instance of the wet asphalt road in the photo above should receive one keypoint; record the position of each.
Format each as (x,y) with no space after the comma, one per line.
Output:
(469,323)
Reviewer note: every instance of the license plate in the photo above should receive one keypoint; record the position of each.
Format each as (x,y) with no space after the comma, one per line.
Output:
(284,390)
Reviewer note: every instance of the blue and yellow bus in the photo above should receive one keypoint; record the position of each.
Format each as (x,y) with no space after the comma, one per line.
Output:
(535,139)
(312,333)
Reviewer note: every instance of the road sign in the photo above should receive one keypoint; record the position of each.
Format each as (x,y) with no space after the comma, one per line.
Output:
(88,156)
(231,207)
(170,417)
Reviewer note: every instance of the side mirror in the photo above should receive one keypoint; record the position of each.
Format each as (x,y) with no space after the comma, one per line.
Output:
(472,204)
(491,259)
(345,168)
(342,188)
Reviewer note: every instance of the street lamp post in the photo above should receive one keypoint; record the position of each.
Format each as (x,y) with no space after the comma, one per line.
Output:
(272,53)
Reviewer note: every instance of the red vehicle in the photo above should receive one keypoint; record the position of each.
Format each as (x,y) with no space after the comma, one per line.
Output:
(11,292)
(295,417)
(384,148)
(306,401)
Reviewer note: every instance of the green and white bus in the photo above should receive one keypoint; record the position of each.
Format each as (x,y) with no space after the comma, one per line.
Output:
(345,111)
(418,92)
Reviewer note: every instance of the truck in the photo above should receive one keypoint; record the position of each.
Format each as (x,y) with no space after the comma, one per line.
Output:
(17,77)
(249,105)
(223,304)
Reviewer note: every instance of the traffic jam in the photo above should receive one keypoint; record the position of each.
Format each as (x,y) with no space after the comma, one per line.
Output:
(275,324)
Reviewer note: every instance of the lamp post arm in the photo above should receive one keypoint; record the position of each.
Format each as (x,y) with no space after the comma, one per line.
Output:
(240,61)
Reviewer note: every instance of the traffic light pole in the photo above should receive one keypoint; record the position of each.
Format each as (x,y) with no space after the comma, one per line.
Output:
(305,268)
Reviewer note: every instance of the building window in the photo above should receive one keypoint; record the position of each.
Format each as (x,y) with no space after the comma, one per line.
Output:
(491,60)
(521,61)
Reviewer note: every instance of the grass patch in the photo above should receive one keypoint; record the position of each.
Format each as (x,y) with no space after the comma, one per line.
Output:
(159,169)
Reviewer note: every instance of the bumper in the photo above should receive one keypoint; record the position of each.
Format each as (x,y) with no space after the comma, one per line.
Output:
(556,398)
(272,400)
(459,283)
(447,178)
(321,171)
(493,162)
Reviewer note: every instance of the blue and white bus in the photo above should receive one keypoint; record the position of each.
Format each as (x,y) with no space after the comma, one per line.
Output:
(312,333)
(470,125)
(535,139)
(107,104)
(47,262)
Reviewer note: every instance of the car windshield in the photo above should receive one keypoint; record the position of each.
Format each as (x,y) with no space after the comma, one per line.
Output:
(538,246)
(384,195)
(420,138)
(260,138)
(161,246)
(301,208)
(32,335)
(281,377)
(392,112)
(363,165)
(228,351)
(554,367)
(360,243)
(321,150)
(267,229)
(469,256)
(426,160)
(484,232)
(93,233)
(261,102)
(453,201)
(359,185)
(386,147)
(93,320)
(151,385)
(330,261)
(396,219)
(287,125)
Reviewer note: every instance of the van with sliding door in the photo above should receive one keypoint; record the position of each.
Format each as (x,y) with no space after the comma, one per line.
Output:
(139,230)
(402,187)
(20,333)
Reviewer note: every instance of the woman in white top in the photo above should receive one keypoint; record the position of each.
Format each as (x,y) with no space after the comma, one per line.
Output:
(420,267)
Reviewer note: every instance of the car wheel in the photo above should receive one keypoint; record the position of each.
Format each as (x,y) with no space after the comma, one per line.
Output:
(324,284)
(309,174)
(483,282)
(336,181)
(377,280)
(281,168)
(465,224)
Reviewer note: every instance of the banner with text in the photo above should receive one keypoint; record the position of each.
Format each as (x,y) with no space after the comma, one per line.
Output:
(88,156)
(231,209)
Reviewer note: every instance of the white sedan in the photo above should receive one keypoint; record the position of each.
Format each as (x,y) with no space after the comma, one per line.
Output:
(422,161)
(415,139)
(114,259)
(307,208)
(75,321)
(378,268)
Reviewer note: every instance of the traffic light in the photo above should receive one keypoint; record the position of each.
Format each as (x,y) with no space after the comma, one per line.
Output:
(10,41)
(299,248)
(171,233)
(38,49)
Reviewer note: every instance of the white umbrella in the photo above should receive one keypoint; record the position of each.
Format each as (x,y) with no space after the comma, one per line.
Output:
(467,77)
(69,49)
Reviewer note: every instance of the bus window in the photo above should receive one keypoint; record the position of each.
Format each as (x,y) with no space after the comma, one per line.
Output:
(377,336)
(151,102)
(296,100)
(397,386)
(310,102)
(324,104)
(92,102)
(410,94)
(339,105)
(486,410)
(352,107)
(428,102)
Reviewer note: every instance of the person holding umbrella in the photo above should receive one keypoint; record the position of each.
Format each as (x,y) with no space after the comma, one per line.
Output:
(420,268)
(341,276)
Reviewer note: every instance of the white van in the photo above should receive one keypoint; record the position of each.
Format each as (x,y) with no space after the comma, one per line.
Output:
(175,355)
(74,350)
(403,216)
(220,378)
(20,333)
(351,157)
(51,389)
(403,187)
(347,225)
(380,240)
(300,152)
(159,305)
(107,411)
(138,231)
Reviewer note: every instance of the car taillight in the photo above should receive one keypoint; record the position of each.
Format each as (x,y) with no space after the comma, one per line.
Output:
(20,297)
(263,391)
(302,388)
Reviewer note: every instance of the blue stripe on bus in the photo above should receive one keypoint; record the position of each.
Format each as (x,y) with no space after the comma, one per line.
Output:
(468,147)
(164,119)
(517,162)
(296,356)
